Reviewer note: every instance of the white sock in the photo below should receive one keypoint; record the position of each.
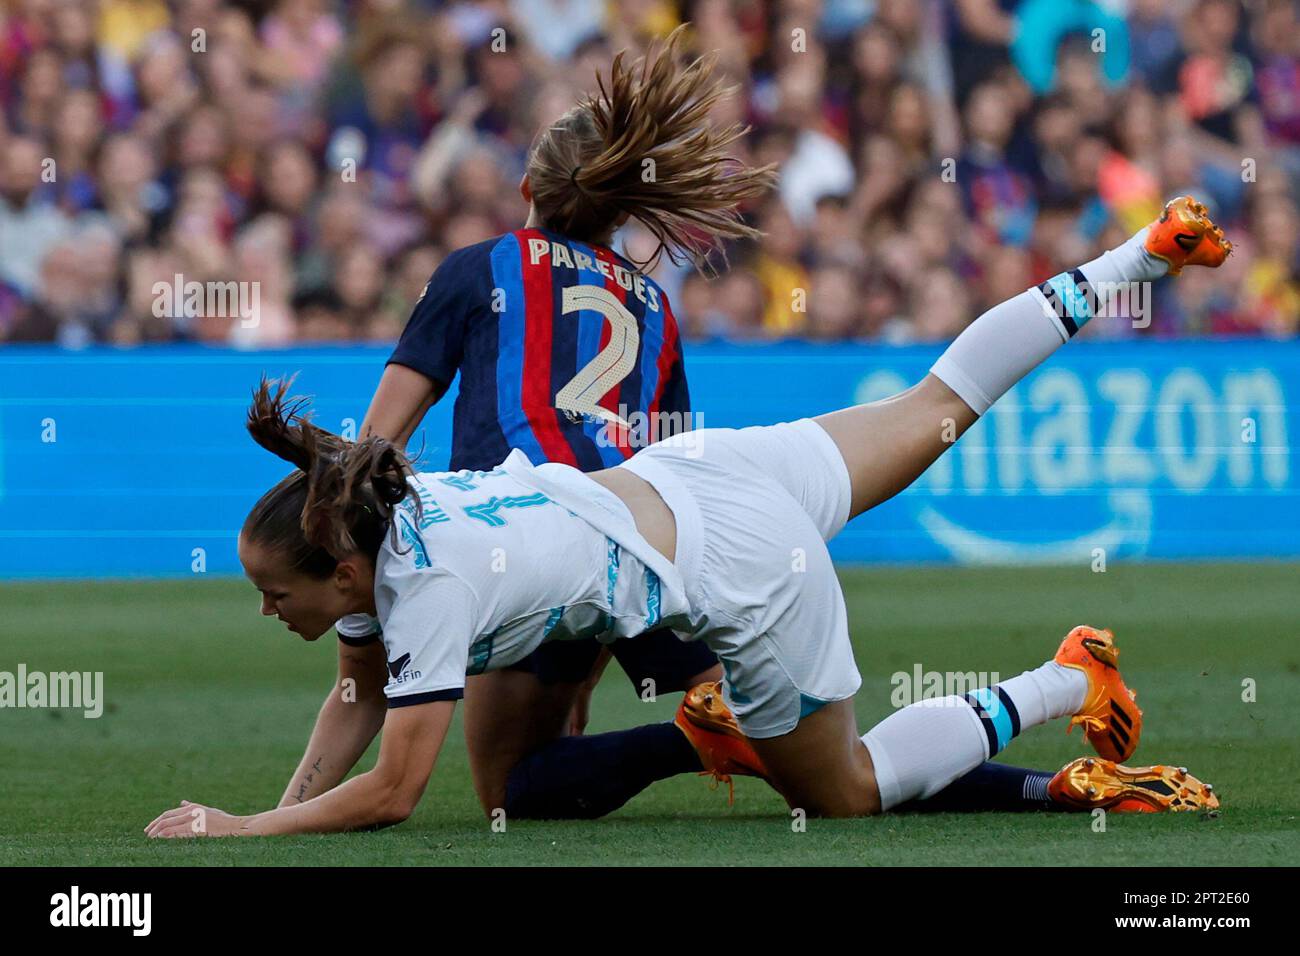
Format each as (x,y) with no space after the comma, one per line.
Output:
(1011,339)
(1046,692)
(919,750)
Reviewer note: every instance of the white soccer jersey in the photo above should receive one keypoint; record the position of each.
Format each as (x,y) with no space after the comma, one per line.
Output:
(496,562)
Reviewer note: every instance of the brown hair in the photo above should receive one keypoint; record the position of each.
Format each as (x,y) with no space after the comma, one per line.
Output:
(341,498)
(591,165)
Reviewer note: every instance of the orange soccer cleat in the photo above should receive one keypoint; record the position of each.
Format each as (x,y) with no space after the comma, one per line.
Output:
(1110,712)
(1184,235)
(712,730)
(1089,783)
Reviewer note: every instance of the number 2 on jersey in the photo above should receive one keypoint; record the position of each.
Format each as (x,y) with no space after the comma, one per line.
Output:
(611,364)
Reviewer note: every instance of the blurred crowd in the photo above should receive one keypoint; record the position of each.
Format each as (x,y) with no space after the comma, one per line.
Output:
(936,156)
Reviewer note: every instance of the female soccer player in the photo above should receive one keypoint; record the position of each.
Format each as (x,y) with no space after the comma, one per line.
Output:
(559,343)
(695,535)
(569,352)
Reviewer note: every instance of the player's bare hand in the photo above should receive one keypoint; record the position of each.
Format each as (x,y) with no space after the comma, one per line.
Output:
(195,820)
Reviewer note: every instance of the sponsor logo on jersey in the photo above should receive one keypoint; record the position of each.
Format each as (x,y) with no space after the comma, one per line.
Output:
(401,670)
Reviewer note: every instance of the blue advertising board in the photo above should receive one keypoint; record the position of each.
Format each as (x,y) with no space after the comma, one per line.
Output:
(135,462)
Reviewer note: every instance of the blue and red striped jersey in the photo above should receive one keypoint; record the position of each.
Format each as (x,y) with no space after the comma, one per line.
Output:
(565,351)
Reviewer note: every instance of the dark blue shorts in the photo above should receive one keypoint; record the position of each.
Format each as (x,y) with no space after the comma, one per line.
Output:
(657,656)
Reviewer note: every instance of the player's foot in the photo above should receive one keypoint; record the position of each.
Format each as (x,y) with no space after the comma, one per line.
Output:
(712,730)
(1109,712)
(1184,235)
(1090,782)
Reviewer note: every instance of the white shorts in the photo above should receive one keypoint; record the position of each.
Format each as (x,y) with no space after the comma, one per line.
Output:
(754,510)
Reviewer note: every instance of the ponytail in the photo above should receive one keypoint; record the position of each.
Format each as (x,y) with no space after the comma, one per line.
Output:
(644,146)
(341,499)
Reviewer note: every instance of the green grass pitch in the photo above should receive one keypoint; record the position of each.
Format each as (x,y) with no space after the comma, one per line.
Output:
(210,702)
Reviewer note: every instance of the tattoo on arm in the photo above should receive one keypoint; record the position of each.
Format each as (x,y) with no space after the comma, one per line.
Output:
(302,788)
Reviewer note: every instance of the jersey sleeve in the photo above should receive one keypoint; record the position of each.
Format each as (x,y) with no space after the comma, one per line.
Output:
(357,630)
(433,342)
(676,396)
(427,636)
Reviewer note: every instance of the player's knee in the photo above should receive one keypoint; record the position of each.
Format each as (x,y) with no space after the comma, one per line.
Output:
(852,793)
(848,803)
(843,799)
(490,787)
(866,792)
(493,800)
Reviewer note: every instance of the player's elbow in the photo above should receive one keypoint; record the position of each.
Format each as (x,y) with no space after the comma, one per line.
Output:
(395,813)
(395,807)
(398,799)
